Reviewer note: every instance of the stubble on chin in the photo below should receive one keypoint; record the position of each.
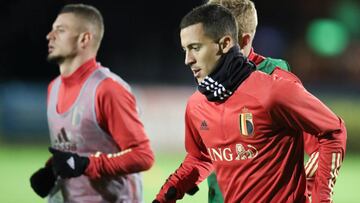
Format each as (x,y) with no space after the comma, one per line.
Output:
(55,59)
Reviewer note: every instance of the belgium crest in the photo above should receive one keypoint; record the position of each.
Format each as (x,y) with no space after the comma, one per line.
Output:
(246,122)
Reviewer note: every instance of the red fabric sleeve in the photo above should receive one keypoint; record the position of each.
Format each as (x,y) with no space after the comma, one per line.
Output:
(117,115)
(195,168)
(286,74)
(311,146)
(311,143)
(300,110)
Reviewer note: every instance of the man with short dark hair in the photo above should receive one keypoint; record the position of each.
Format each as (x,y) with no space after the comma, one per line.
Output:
(241,124)
(245,14)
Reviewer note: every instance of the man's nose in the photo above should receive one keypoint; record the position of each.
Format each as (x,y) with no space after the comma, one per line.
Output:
(189,58)
(50,35)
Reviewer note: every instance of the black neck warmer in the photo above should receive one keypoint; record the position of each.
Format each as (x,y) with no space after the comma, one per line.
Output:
(231,70)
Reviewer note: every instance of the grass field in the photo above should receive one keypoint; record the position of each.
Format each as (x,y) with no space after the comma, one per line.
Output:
(18,162)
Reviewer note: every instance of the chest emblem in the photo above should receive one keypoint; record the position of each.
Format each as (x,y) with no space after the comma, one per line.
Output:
(77,116)
(246,123)
(204,125)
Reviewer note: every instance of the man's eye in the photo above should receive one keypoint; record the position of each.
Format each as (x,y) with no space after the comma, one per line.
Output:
(196,48)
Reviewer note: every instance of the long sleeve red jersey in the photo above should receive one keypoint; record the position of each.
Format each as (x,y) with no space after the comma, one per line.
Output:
(254,142)
(117,115)
(311,143)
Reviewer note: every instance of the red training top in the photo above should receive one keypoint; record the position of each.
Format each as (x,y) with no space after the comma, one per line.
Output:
(254,143)
(117,115)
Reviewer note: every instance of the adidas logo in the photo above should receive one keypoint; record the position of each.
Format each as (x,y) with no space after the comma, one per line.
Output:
(63,142)
(204,125)
(62,136)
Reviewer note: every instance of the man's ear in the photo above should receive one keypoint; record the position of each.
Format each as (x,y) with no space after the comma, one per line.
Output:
(85,39)
(225,43)
(244,40)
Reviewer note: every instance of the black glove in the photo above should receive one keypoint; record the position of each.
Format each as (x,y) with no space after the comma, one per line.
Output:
(193,191)
(42,181)
(169,195)
(67,164)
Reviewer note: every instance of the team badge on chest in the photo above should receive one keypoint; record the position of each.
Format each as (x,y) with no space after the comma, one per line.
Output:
(246,122)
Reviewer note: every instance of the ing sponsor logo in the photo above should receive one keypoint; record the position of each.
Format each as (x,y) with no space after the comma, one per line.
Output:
(233,153)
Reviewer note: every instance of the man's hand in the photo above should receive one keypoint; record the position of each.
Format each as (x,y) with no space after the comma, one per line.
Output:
(67,164)
(170,196)
(42,181)
(193,191)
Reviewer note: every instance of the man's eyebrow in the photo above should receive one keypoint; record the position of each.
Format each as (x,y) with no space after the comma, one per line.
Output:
(193,44)
(59,26)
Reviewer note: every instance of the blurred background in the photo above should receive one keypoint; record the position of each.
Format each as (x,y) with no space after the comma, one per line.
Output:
(320,40)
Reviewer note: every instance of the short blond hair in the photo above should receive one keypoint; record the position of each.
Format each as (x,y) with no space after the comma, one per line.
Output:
(91,16)
(244,12)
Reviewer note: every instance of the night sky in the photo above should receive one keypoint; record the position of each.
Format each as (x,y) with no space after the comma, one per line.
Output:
(141,41)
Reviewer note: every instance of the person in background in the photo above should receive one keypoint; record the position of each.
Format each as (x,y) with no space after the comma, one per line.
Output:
(98,143)
(242,126)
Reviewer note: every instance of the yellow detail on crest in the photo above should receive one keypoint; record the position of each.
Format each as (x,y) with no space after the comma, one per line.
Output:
(246,124)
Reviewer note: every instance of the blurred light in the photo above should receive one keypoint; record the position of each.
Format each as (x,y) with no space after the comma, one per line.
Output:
(327,37)
(348,12)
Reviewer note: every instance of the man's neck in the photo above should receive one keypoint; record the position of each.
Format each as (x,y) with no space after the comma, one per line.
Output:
(247,50)
(69,66)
